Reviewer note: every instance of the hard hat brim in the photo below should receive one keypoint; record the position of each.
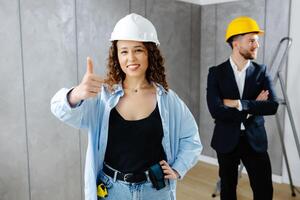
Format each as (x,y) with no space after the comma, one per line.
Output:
(259,32)
(134,39)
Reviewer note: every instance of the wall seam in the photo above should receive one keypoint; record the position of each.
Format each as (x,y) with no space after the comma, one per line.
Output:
(288,34)
(215,50)
(24,100)
(191,103)
(77,80)
(199,13)
(146,8)
(265,25)
(215,45)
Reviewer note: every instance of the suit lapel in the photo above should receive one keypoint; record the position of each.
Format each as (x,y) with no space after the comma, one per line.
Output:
(248,80)
(231,80)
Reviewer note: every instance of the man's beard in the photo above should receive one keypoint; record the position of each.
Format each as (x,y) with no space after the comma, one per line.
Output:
(246,54)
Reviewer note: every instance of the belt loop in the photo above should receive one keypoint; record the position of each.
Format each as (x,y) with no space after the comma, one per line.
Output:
(115,176)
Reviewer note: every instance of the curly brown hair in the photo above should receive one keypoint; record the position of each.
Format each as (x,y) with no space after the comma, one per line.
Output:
(154,73)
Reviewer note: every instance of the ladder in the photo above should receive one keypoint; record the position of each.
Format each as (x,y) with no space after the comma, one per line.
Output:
(278,75)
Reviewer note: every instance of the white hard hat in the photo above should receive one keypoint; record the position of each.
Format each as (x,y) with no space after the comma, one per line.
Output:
(134,27)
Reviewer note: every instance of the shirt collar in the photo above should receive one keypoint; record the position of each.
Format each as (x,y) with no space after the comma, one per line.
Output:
(235,68)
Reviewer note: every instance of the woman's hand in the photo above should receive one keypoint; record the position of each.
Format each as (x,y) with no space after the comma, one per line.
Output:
(168,171)
(90,85)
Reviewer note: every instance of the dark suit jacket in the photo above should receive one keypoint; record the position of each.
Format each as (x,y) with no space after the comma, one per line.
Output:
(221,85)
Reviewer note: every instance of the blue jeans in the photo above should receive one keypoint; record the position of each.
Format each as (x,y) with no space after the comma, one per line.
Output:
(120,190)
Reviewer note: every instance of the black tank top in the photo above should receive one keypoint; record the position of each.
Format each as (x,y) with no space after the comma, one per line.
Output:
(134,146)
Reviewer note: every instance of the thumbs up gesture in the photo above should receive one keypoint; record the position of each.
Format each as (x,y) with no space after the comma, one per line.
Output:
(89,87)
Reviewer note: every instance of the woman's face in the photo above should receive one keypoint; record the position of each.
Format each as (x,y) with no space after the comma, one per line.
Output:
(133,58)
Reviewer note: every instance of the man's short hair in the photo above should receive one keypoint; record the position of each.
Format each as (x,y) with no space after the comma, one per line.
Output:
(234,37)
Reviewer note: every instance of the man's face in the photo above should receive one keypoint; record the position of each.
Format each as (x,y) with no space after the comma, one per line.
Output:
(248,45)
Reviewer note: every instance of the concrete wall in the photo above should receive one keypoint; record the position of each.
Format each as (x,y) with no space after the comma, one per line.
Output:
(13,134)
(214,50)
(44,45)
(293,92)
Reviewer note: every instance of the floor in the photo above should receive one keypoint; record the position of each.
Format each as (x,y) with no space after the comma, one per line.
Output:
(200,183)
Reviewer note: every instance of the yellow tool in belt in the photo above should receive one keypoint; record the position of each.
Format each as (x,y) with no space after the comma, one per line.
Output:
(102,191)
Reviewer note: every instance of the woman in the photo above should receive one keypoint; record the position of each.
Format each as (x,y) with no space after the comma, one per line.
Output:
(135,122)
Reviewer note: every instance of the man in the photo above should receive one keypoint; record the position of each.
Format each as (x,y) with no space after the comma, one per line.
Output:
(239,93)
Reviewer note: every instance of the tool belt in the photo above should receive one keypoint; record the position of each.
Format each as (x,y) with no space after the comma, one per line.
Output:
(126,177)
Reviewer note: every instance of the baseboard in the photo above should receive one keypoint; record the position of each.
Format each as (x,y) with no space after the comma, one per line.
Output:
(214,161)
(209,160)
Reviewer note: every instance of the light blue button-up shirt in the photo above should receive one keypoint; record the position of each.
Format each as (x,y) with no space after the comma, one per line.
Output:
(181,140)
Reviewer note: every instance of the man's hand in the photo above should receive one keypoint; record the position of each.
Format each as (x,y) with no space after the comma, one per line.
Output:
(263,95)
(90,85)
(232,103)
(168,171)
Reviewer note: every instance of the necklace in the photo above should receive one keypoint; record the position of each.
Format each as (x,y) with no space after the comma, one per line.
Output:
(132,90)
(136,90)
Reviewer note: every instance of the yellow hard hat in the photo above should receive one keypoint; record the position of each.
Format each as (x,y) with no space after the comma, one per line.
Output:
(242,25)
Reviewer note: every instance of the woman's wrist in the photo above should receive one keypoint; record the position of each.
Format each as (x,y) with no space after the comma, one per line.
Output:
(73,101)
(176,173)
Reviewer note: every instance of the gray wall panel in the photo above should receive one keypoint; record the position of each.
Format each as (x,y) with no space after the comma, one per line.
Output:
(207,59)
(195,62)
(95,24)
(138,7)
(13,148)
(224,16)
(49,64)
(293,92)
(277,26)
(173,23)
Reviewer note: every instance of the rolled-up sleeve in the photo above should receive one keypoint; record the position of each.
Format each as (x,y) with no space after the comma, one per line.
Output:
(190,146)
(73,116)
